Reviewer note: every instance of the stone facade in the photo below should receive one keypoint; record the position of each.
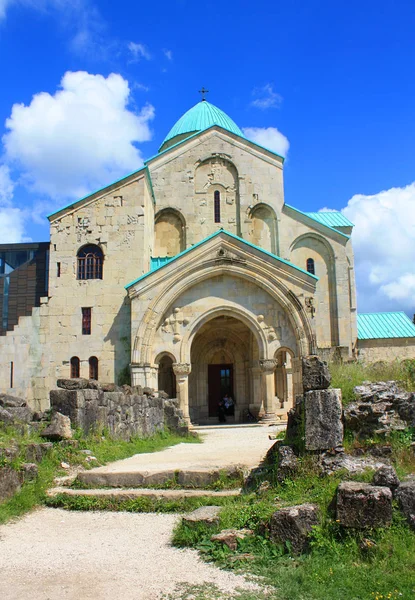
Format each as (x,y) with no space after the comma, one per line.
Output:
(236,293)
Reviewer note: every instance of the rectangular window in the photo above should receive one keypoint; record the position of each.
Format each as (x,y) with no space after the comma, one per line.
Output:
(58,269)
(11,374)
(86,321)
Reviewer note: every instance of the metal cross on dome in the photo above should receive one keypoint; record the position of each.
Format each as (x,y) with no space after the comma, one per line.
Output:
(203,92)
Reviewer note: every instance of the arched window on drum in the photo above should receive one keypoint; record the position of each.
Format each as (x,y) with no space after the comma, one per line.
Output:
(311,268)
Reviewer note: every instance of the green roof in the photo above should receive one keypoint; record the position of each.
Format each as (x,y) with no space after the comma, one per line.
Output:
(332,218)
(198,118)
(385,325)
(165,261)
(317,220)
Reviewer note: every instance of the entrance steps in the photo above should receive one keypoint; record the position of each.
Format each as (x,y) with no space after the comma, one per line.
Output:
(185,478)
(121,494)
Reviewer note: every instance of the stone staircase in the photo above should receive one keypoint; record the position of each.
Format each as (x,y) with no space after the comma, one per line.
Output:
(213,469)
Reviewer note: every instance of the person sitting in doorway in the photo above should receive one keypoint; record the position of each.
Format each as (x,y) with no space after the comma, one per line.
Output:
(221,411)
(229,405)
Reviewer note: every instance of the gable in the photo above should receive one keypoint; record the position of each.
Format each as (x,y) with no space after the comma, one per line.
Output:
(227,248)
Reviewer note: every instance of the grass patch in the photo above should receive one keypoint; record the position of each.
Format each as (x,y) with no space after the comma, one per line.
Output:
(105,449)
(340,565)
(136,505)
(348,375)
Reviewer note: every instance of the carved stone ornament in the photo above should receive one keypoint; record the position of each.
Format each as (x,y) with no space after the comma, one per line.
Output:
(309,304)
(268,364)
(181,369)
(271,333)
(174,323)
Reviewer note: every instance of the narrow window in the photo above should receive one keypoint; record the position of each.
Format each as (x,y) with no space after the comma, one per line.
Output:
(58,269)
(86,321)
(74,367)
(217,206)
(90,259)
(93,368)
(310,266)
(11,374)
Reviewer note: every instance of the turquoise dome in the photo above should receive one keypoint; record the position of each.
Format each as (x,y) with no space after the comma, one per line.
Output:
(201,116)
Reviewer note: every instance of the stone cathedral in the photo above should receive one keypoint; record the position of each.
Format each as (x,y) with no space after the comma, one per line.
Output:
(192,275)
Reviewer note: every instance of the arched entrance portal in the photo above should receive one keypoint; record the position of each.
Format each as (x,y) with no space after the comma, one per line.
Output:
(224,359)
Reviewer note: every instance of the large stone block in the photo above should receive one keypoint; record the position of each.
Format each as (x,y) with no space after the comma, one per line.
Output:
(59,428)
(293,525)
(405,494)
(316,375)
(323,427)
(65,402)
(10,483)
(73,384)
(360,505)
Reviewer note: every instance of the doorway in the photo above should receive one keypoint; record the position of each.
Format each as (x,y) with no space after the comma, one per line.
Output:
(220,382)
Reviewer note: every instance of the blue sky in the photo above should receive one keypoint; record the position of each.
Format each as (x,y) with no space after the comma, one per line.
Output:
(330,84)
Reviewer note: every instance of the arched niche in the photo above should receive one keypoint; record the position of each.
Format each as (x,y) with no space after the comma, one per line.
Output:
(169,229)
(217,177)
(313,247)
(264,228)
(166,377)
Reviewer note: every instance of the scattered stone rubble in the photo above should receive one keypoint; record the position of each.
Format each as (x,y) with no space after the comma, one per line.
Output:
(380,408)
(315,426)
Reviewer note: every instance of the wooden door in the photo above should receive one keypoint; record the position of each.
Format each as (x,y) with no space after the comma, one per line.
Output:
(220,382)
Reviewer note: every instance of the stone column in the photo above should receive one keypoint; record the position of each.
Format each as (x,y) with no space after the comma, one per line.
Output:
(267,368)
(182,371)
(138,375)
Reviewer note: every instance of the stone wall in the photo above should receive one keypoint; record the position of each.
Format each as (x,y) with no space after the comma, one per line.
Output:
(387,350)
(123,414)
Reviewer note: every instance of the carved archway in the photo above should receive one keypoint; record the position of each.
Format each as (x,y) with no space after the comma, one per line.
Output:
(143,343)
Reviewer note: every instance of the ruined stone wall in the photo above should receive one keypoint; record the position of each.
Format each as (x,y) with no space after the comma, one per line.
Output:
(123,414)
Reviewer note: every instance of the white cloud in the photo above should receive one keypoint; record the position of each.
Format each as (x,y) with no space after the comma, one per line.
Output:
(168,54)
(78,139)
(11,219)
(6,186)
(138,51)
(80,19)
(384,247)
(269,137)
(265,97)
(11,226)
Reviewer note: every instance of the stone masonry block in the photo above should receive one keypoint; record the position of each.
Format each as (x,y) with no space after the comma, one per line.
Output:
(360,505)
(323,419)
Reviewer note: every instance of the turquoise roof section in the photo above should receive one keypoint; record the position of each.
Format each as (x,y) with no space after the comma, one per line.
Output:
(317,220)
(332,218)
(200,117)
(159,261)
(228,233)
(385,325)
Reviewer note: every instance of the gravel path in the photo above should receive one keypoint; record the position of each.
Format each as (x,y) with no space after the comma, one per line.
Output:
(52,554)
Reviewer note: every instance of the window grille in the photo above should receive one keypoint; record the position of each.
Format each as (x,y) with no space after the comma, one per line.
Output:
(217,206)
(90,259)
(86,321)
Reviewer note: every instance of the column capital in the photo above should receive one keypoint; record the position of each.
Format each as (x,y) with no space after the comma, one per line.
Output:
(182,369)
(267,365)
